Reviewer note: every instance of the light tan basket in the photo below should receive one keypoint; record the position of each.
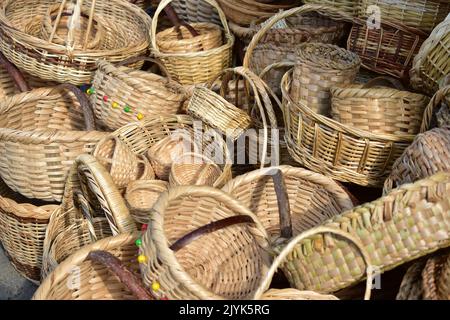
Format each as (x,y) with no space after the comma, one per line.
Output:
(187,249)
(184,67)
(318,68)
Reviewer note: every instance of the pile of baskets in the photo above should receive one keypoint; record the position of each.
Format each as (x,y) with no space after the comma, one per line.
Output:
(194,153)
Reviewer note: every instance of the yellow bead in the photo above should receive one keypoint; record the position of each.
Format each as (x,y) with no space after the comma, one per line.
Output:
(155,286)
(115,105)
(140,116)
(142,259)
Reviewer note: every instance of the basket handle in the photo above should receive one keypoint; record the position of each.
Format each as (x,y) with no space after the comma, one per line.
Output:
(164,3)
(85,208)
(384,81)
(435,102)
(177,22)
(128,278)
(15,74)
(284,209)
(133,60)
(308,234)
(84,103)
(210,228)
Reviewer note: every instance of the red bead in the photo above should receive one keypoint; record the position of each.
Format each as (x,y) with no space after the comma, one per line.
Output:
(144,227)
(105,98)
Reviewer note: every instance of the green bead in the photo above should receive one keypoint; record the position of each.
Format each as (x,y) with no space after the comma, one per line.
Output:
(127,109)
(138,242)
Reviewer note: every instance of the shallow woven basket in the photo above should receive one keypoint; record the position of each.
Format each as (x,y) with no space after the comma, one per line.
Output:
(142,195)
(324,145)
(347,7)
(389,49)
(80,278)
(44,127)
(318,68)
(126,35)
(421,14)
(194,169)
(431,64)
(92,209)
(22,231)
(410,222)
(203,244)
(313,198)
(184,67)
(294,294)
(388,108)
(121,163)
(122,95)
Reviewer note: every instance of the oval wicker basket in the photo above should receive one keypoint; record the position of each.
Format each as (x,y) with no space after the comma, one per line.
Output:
(122,95)
(183,67)
(126,35)
(187,246)
(44,127)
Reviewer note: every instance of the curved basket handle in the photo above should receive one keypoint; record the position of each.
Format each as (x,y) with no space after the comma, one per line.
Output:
(84,103)
(435,102)
(210,228)
(384,81)
(307,234)
(177,22)
(125,275)
(133,60)
(86,212)
(284,209)
(15,74)
(276,65)
(165,3)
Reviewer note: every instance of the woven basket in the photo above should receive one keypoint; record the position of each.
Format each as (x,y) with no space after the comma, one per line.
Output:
(209,267)
(121,163)
(294,294)
(378,109)
(44,127)
(141,196)
(313,198)
(22,231)
(431,64)
(192,11)
(436,278)
(80,277)
(194,169)
(318,68)
(140,3)
(92,209)
(389,49)
(408,223)
(125,34)
(347,7)
(336,150)
(122,95)
(421,14)
(184,67)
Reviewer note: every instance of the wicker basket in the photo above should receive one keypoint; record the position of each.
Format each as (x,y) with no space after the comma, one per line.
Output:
(336,150)
(378,109)
(126,34)
(347,7)
(121,163)
(92,209)
(187,250)
(194,169)
(80,277)
(318,68)
(389,49)
(294,294)
(408,223)
(313,198)
(192,11)
(122,95)
(142,195)
(22,231)
(421,14)
(44,127)
(431,64)
(184,67)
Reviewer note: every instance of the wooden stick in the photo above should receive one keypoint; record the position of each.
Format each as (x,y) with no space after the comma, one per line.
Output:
(58,19)
(15,74)
(88,31)
(283,204)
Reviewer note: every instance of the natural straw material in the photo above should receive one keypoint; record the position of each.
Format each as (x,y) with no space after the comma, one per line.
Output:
(411,286)
(79,278)
(348,7)
(318,68)
(194,169)
(123,95)
(436,278)
(22,231)
(294,294)
(224,261)
(192,11)
(184,66)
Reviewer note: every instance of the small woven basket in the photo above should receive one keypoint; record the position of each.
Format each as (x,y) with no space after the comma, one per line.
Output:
(431,63)
(141,196)
(187,246)
(184,66)
(378,109)
(122,95)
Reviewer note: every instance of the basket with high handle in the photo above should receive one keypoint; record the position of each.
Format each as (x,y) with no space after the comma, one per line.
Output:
(63,44)
(92,209)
